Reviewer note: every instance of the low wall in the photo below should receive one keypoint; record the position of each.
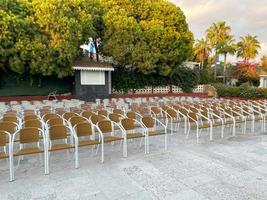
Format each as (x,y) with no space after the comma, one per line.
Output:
(160,90)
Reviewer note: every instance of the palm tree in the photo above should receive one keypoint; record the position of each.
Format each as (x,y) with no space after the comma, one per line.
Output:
(220,39)
(226,46)
(217,33)
(248,47)
(202,49)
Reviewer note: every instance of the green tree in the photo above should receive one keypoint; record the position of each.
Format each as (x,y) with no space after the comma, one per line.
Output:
(43,37)
(150,36)
(248,47)
(226,46)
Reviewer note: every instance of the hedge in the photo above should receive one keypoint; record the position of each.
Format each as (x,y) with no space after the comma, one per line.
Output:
(124,80)
(242,92)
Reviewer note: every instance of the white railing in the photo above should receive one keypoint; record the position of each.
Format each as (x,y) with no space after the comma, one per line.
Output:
(162,90)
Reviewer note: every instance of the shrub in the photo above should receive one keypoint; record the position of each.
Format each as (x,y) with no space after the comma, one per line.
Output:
(124,80)
(184,78)
(242,92)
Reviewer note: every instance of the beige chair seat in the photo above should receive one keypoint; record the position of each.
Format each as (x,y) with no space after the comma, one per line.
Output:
(201,126)
(88,143)
(134,135)
(57,147)
(29,150)
(3,155)
(156,132)
(111,138)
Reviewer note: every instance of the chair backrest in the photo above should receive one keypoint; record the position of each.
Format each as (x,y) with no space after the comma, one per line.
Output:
(33,123)
(69,115)
(96,118)
(131,115)
(55,121)
(192,117)
(28,112)
(87,114)
(49,116)
(105,126)
(3,139)
(10,119)
(58,132)
(171,113)
(155,110)
(10,127)
(118,111)
(103,112)
(30,117)
(115,117)
(148,121)
(128,124)
(29,135)
(76,120)
(61,112)
(83,129)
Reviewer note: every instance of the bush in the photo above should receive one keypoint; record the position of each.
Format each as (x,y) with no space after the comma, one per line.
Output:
(184,78)
(124,80)
(242,92)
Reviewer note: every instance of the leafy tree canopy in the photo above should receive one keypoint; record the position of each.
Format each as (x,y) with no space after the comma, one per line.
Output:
(151,36)
(43,37)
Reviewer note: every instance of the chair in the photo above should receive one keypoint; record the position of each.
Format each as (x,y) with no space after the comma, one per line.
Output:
(69,115)
(10,127)
(33,123)
(14,119)
(94,119)
(48,116)
(54,121)
(118,111)
(28,136)
(57,138)
(133,129)
(107,133)
(76,120)
(154,127)
(103,112)
(195,122)
(87,114)
(30,117)
(83,130)
(5,141)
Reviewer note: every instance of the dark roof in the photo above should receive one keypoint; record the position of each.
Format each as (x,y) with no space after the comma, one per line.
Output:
(85,63)
(92,66)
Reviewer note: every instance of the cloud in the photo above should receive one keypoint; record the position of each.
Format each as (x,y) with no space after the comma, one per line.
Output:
(245,17)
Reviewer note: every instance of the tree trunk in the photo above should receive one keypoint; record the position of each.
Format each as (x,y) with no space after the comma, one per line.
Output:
(224,69)
(96,49)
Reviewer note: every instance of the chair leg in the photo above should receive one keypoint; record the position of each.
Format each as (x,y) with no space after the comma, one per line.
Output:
(125,147)
(76,155)
(166,140)
(197,135)
(147,143)
(11,169)
(222,131)
(188,131)
(102,152)
(211,134)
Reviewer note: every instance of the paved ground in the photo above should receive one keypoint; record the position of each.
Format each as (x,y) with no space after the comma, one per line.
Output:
(232,168)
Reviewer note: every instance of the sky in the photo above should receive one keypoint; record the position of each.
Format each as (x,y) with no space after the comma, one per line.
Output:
(244,17)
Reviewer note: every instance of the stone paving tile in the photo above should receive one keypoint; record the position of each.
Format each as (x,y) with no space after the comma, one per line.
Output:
(197,180)
(222,191)
(187,195)
(159,184)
